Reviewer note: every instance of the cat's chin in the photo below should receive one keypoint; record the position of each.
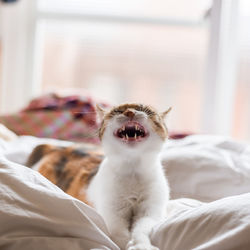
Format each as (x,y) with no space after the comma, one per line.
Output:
(131,132)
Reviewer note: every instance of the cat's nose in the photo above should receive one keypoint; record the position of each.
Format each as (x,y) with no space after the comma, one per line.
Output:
(129,113)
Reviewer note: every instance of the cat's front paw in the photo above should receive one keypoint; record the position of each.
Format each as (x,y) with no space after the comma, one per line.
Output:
(132,245)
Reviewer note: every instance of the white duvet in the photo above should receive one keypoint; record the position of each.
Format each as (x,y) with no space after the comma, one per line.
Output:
(35,214)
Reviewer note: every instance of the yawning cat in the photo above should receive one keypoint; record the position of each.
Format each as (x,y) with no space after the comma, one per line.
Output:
(130,189)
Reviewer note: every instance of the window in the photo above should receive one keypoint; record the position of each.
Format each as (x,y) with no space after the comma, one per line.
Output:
(167,53)
(127,51)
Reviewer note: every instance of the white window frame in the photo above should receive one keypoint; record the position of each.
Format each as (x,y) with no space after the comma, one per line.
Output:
(221,70)
(18,26)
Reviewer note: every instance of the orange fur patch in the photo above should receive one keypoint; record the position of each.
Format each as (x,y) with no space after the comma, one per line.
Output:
(69,168)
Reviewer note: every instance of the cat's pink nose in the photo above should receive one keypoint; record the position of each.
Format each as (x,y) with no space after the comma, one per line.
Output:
(129,113)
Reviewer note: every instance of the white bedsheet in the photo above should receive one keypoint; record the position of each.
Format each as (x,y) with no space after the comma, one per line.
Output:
(35,214)
(207,168)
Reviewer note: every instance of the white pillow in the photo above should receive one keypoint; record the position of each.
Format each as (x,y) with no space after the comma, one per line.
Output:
(207,167)
(222,224)
(18,150)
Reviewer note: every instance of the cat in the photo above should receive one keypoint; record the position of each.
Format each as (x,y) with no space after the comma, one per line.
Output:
(129,189)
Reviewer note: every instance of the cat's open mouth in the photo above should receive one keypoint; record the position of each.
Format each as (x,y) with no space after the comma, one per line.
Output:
(131,132)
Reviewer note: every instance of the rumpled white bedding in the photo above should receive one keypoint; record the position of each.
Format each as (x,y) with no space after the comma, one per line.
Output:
(35,214)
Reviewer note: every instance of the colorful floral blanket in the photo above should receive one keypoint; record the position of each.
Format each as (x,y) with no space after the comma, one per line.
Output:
(68,118)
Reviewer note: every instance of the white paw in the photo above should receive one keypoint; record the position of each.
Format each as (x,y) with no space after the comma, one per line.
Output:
(132,245)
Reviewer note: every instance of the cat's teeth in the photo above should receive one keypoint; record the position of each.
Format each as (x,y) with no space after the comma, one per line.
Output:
(127,136)
(136,127)
(135,136)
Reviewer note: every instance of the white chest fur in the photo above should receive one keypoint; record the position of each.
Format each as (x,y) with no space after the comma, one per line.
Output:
(131,195)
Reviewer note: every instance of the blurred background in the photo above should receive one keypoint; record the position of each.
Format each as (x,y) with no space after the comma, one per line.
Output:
(192,55)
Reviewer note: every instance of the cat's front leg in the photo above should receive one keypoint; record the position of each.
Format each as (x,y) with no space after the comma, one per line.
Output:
(118,228)
(140,235)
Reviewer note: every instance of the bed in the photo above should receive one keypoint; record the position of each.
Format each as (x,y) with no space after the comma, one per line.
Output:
(209,178)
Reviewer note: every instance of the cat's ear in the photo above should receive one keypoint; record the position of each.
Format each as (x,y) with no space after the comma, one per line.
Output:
(100,111)
(163,114)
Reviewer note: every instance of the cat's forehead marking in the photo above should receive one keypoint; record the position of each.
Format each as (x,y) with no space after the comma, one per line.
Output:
(124,107)
(139,107)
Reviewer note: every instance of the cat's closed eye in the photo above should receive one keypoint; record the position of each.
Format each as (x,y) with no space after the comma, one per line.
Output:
(117,112)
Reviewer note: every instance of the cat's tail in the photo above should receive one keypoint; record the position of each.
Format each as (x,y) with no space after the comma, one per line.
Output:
(38,153)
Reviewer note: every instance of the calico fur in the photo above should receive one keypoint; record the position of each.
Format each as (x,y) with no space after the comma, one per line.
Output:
(70,168)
